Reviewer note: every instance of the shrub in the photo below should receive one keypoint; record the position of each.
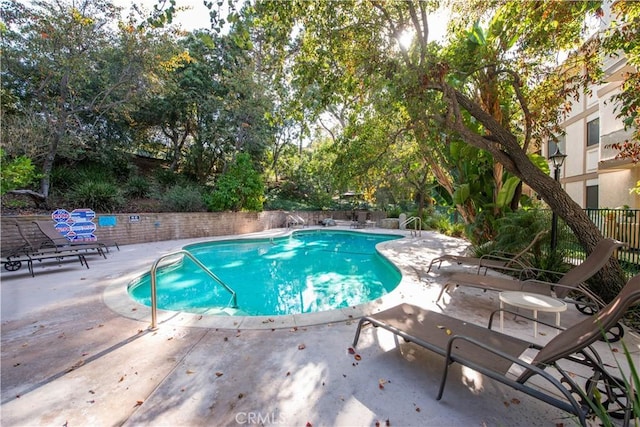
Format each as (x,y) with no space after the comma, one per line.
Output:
(166,178)
(240,188)
(16,173)
(138,187)
(98,195)
(180,198)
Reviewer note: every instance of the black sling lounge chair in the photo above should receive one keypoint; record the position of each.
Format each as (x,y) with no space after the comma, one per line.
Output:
(493,354)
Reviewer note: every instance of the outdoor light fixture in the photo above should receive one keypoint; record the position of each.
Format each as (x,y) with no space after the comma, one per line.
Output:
(558,160)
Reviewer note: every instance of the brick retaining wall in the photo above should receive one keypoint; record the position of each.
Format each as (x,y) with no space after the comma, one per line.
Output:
(153,227)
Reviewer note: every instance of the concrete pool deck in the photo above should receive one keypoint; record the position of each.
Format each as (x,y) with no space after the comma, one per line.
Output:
(77,351)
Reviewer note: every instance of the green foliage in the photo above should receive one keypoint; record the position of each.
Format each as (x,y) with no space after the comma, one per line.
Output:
(101,196)
(443,224)
(183,198)
(167,178)
(138,187)
(66,177)
(394,212)
(240,188)
(275,203)
(16,173)
(516,230)
(551,265)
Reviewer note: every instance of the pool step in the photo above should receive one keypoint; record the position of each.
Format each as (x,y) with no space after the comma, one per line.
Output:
(225,311)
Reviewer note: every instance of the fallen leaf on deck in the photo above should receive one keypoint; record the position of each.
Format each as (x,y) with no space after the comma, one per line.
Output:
(448,331)
(138,403)
(301,346)
(189,371)
(77,365)
(515,401)
(357,357)
(351,350)
(219,374)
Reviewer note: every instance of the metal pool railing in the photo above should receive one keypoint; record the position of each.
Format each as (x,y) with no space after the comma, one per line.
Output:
(417,225)
(154,296)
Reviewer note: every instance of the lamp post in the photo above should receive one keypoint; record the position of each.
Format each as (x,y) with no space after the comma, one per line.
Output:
(558,160)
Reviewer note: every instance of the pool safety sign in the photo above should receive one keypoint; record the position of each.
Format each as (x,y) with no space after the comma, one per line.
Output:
(76,225)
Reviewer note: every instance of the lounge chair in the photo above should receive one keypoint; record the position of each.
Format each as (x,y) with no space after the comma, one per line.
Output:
(294,220)
(496,260)
(570,281)
(361,221)
(494,354)
(13,263)
(35,251)
(55,239)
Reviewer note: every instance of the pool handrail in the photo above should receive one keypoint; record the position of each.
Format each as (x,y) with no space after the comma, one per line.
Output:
(417,230)
(154,298)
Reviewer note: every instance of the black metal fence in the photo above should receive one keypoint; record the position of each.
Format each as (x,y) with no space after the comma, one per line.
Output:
(619,224)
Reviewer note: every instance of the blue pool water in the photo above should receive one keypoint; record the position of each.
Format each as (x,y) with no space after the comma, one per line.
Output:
(309,271)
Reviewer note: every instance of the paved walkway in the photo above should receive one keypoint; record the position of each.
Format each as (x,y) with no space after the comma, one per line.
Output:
(77,352)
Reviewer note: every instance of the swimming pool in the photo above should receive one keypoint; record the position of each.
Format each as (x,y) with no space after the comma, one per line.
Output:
(308,271)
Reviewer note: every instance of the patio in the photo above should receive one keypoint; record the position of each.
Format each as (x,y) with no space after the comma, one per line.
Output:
(77,351)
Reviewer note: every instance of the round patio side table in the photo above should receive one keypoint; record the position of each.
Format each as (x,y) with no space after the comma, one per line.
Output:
(531,301)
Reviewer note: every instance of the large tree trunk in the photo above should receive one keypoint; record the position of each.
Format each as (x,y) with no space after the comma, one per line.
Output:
(504,146)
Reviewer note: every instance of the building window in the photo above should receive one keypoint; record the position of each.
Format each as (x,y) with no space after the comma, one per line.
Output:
(593,132)
(592,197)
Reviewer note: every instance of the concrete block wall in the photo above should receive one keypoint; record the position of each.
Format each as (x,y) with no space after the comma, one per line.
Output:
(153,227)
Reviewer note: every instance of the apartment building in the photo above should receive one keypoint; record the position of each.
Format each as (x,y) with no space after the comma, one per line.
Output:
(590,174)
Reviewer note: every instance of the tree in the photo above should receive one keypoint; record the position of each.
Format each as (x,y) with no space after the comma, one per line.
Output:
(350,44)
(59,65)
